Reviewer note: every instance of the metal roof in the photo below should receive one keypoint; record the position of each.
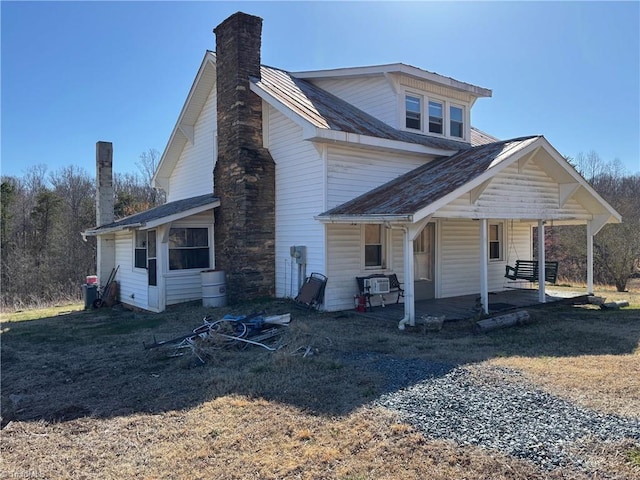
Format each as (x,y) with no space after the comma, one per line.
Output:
(326,111)
(478,137)
(169,211)
(409,193)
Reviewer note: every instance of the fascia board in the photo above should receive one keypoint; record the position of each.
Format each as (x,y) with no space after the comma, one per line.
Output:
(369,219)
(104,231)
(181,215)
(323,135)
(208,60)
(153,223)
(396,68)
(307,127)
(580,179)
(476,182)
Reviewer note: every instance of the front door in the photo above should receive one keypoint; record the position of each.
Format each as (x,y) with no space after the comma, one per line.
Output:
(152,269)
(424,261)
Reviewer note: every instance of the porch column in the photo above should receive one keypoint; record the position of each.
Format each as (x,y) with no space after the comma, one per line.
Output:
(542,298)
(409,291)
(589,257)
(484,267)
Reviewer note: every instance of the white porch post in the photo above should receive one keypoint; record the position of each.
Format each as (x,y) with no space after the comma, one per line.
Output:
(541,263)
(589,258)
(484,267)
(409,294)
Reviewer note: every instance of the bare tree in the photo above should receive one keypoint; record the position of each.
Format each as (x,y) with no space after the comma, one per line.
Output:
(616,246)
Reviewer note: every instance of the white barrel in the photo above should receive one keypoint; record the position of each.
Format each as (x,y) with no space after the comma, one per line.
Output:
(214,288)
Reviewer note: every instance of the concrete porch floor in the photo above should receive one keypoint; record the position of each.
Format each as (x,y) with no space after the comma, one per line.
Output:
(466,306)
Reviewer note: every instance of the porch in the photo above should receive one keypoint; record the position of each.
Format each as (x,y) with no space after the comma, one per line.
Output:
(467,306)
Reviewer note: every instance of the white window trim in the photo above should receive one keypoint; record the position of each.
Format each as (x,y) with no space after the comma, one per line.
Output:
(135,241)
(425,98)
(386,254)
(464,120)
(501,239)
(181,271)
(419,96)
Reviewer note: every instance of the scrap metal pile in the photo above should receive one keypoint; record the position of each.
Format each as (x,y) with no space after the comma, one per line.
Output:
(229,331)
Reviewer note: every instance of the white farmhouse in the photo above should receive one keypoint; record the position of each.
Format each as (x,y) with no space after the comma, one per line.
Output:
(358,171)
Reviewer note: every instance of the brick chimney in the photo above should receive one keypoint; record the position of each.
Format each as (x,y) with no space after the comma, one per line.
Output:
(244,174)
(106,249)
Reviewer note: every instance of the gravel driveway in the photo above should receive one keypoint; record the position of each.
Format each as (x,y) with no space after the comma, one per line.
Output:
(493,407)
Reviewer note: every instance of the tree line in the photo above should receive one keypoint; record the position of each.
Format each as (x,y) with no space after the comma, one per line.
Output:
(45,259)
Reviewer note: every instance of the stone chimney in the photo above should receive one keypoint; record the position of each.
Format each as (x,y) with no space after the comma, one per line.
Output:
(244,174)
(106,252)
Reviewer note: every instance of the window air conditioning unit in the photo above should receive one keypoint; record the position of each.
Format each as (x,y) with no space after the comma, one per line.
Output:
(377,286)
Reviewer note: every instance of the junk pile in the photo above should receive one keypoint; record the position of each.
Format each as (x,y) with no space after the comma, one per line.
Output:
(230,331)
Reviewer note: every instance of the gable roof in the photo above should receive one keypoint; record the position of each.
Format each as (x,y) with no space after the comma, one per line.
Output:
(313,106)
(183,131)
(327,112)
(427,188)
(159,215)
(400,68)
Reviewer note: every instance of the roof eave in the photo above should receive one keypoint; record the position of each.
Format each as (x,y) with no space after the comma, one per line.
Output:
(396,68)
(323,135)
(152,223)
(370,218)
(166,162)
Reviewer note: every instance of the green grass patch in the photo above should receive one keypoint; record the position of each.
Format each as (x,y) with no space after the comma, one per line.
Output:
(41,313)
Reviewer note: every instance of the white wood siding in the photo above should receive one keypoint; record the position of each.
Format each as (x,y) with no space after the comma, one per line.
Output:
(344,264)
(373,95)
(352,173)
(514,194)
(300,190)
(132,281)
(193,173)
(459,256)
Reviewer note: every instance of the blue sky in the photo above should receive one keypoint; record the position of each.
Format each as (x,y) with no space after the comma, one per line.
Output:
(75,73)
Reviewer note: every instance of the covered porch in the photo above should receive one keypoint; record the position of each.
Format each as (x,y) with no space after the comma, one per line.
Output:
(483,202)
(465,307)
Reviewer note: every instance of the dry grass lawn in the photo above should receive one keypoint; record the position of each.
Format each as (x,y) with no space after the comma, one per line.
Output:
(82,398)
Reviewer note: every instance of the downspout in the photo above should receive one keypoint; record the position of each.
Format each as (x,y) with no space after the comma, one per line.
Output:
(409,306)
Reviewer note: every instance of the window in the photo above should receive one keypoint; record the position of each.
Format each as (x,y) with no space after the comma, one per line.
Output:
(374,246)
(495,241)
(413,106)
(436,117)
(456,123)
(188,248)
(140,254)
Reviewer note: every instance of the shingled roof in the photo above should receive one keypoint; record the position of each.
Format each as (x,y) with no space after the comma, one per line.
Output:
(159,215)
(326,111)
(409,193)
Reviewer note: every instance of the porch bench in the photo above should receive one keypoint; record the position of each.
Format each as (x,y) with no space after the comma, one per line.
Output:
(394,286)
(528,270)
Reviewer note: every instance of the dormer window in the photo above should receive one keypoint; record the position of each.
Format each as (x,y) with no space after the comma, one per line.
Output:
(436,117)
(456,122)
(413,105)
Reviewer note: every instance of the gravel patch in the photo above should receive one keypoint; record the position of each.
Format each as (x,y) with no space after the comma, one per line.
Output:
(494,407)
